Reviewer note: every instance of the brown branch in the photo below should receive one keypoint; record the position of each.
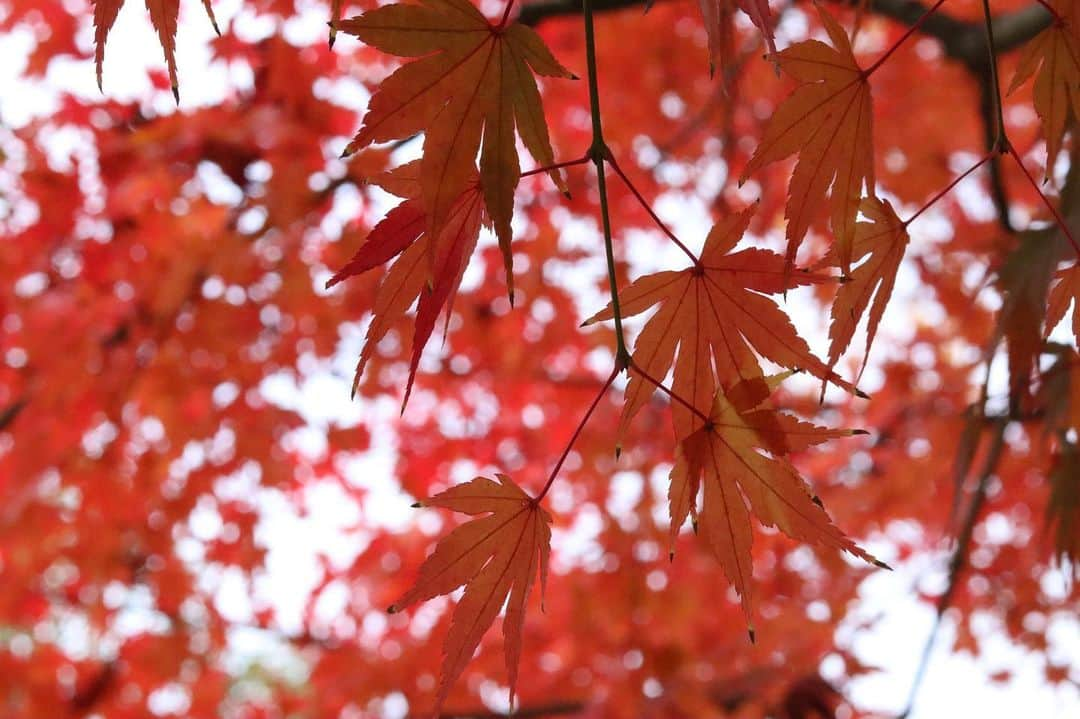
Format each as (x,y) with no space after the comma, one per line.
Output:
(962,40)
(539,710)
(534,12)
(11,412)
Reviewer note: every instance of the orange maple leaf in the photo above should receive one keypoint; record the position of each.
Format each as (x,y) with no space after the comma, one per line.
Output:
(472,80)
(1065,293)
(883,241)
(163,16)
(727,453)
(827,120)
(1055,54)
(711,320)
(716,15)
(1024,280)
(1063,507)
(335,17)
(425,269)
(494,557)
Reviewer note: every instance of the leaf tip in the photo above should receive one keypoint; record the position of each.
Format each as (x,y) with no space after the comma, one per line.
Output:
(817,500)
(416,505)
(859,431)
(751,633)
(671,555)
(693,524)
(176,93)
(881,565)
(860,394)
(393,609)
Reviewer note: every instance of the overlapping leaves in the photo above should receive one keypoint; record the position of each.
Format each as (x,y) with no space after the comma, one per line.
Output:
(710,321)
(740,455)
(717,16)
(469,89)
(428,267)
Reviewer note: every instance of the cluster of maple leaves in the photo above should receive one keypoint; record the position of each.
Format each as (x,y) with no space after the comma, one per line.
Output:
(470,88)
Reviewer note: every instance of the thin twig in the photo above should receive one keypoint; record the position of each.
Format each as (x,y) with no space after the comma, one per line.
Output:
(933,200)
(577,433)
(669,392)
(659,223)
(903,38)
(599,152)
(957,562)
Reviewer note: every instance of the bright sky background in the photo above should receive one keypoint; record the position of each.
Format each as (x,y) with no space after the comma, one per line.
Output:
(955,685)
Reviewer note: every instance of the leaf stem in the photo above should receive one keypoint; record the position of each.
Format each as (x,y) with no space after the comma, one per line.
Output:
(659,223)
(557,166)
(933,200)
(1050,9)
(1002,144)
(598,153)
(670,393)
(506,13)
(1046,201)
(577,432)
(903,38)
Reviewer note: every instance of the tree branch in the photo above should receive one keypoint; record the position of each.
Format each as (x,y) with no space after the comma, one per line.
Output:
(538,710)
(962,40)
(9,413)
(534,12)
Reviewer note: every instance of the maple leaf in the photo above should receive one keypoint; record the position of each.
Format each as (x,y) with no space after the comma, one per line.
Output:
(1063,508)
(335,17)
(473,80)
(726,456)
(827,120)
(425,269)
(163,16)
(495,556)
(1065,293)
(717,17)
(1055,55)
(1024,282)
(710,321)
(883,241)
(1059,393)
